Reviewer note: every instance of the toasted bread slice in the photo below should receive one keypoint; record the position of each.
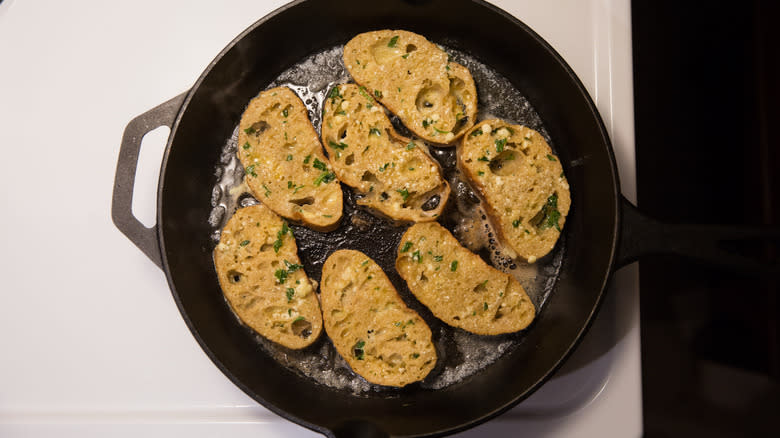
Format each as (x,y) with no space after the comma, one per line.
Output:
(522,182)
(380,338)
(415,80)
(278,147)
(393,173)
(458,286)
(260,274)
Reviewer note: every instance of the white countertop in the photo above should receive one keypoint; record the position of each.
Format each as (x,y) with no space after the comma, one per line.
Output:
(92,343)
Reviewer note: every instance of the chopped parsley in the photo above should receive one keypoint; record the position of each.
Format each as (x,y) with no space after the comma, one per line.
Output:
(405,56)
(357,349)
(483,158)
(392,42)
(290,184)
(279,235)
(325,177)
(440,131)
(300,318)
(319,165)
(438,258)
(284,112)
(281,275)
(383,167)
(480,173)
(376,132)
(364,263)
(516,223)
(267,191)
(417,257)
(476,132)
(500,144)
(364,93)
(292,267)
(484,306)
(551,158)
(250,130)
(247,146)
(334,93)
(244,243)
(334,145)
(551,213)
(290,293)
(289,157)
(406,246)
(307,159)
(378,94)
(425,123)
(410,146)
(404,193)
(454,266)
(251,171)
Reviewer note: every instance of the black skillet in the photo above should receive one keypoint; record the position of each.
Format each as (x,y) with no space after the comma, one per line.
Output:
(602,233)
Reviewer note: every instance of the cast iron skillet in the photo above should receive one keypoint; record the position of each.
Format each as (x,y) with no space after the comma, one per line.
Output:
(602,233)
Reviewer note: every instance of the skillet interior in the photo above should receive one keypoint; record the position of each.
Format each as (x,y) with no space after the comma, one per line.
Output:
(253,60)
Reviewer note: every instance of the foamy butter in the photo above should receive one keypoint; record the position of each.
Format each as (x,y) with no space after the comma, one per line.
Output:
(461,354)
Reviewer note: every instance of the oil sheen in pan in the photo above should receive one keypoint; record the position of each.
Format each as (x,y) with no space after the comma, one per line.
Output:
(461,354)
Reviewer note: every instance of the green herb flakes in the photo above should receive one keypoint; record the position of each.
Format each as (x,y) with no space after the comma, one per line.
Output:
(393,41)
(289,157)
(284,112)
(250,170)
(551,158)
(483,158)
(290,292)
(376,132)
(378,94)
(357,349)
(417,257)
(244,243)
(267,191)
(247,146)
(438,258)
(454,266)
(250,130)
(410,146)
(500,145)
(307,159)
(281,275)
(325,177)
(516,223)
(404,193)
(406,246)
(476,132)
(334,145)
(319,165)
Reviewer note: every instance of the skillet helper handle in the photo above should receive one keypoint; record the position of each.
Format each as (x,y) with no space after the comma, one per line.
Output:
(121,206)
(641,236)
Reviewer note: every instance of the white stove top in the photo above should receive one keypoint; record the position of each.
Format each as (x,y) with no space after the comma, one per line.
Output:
(92,343)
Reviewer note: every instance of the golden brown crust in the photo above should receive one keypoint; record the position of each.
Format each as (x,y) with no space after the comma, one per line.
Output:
(261,277)
(458,286)
(380,338)
(394,174)
(415,80)
(522,182)
(277,146)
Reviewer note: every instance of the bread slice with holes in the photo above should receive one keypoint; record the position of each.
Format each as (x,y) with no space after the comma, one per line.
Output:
(522,182)
(380,338)
(416,80)
(278,147)
(458,286)
(392,173)
(261,277)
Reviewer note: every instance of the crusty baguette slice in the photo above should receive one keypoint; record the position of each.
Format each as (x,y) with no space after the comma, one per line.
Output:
(458,286)
(278,147)
(526,194)
(380,338)
(414,79)
(260,274)
(394,174)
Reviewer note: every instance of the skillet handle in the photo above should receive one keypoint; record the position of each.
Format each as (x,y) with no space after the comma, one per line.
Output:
(121,206)
(642,236)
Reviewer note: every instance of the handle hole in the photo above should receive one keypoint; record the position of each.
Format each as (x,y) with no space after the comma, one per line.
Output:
(147,176)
